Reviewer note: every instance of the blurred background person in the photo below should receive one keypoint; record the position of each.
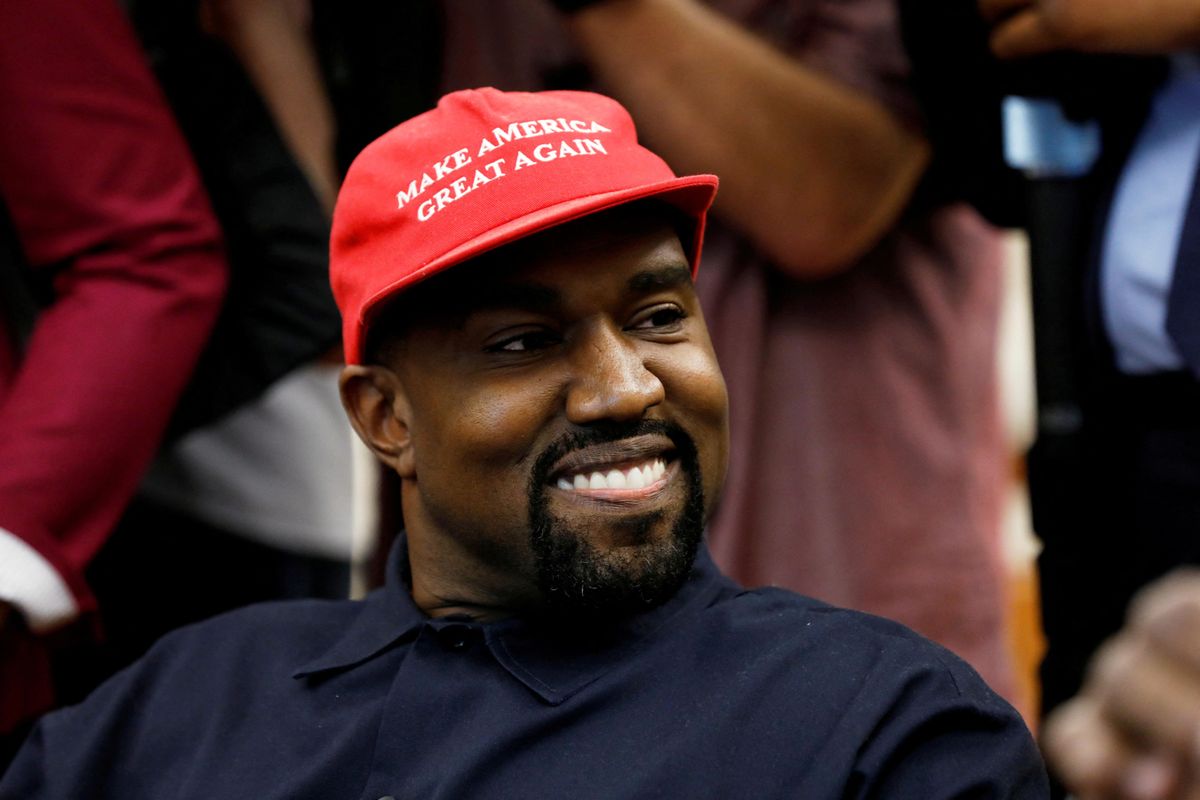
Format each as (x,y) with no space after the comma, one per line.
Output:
(246,503)
(113,273)
(1132,477)
(1095,107)
(1107,153)
(855,320)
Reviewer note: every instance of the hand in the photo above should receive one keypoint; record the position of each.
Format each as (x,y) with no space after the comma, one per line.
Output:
(1134,730)
(1031,27)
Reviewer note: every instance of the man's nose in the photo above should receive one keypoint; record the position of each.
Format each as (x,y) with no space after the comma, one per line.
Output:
(610,380)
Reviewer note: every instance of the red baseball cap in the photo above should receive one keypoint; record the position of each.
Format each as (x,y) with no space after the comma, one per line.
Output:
(481,170)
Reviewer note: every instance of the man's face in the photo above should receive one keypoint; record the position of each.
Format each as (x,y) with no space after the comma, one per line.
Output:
(567,422)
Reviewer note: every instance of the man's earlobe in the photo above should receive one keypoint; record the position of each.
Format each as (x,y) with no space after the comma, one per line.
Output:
(379,412)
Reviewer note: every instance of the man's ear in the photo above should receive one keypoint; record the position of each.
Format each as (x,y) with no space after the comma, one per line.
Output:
(378,408)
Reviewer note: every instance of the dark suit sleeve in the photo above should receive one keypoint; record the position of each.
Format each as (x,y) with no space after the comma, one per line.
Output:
(959,88)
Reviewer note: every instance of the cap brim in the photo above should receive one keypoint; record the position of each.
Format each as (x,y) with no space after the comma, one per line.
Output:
(692,194)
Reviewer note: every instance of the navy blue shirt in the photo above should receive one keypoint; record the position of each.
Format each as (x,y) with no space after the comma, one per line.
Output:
(720,693)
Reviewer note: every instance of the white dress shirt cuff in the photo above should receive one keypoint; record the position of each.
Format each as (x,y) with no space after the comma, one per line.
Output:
(32,586)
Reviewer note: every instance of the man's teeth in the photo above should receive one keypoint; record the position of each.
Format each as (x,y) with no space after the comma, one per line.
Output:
(632,478)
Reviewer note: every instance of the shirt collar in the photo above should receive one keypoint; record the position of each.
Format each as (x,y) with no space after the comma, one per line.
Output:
(552,664)
(385,617)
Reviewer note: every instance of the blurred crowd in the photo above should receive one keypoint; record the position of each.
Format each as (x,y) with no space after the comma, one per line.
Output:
(172,444)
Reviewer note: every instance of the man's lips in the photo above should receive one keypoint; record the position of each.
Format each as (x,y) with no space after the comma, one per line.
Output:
(632,465)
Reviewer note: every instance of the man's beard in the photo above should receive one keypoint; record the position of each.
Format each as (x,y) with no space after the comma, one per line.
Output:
(576,579)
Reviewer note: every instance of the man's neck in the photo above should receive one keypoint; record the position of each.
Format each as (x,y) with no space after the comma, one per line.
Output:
(440,587)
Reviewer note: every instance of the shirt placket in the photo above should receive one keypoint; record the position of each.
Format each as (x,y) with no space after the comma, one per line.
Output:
(448,664)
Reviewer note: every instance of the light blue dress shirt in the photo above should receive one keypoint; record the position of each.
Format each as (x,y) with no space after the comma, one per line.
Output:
(1145,224)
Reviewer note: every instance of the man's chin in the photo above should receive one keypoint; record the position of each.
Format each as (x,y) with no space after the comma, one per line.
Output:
(641,566)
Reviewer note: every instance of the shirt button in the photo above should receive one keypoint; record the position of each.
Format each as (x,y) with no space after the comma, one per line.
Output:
(457,636)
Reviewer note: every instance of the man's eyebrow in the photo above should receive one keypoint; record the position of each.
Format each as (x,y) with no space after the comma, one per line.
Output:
(661,278)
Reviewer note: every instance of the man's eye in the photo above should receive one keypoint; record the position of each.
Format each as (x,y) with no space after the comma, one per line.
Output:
(524,342)
(661,318)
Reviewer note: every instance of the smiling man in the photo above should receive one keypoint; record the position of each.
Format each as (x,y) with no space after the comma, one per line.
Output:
(531,359)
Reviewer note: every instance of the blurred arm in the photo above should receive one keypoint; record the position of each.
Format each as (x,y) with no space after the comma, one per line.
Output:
(813,171)
(271,40)
(1148,27)
(108,207)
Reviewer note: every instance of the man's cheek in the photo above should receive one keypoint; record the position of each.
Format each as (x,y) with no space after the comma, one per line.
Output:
(693,378)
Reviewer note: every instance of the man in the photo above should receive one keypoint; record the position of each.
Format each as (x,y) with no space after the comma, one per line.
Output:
(526,350)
